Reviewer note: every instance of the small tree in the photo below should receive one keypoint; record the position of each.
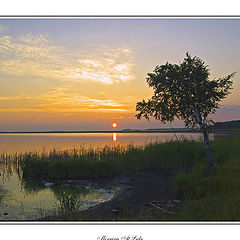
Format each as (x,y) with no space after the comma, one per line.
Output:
(185,92)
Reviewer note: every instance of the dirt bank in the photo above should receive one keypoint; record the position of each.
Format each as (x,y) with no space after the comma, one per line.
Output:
(137,192)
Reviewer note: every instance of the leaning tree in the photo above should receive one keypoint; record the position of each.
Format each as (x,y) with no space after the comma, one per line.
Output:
(184,91)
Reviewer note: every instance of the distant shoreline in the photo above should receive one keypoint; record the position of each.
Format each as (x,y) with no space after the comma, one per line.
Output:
(179,130)
(119,131)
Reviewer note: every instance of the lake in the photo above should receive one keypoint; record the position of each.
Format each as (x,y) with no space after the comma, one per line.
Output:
(31,199)
(11,143)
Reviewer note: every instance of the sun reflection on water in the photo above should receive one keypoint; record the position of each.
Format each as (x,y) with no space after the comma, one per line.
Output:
(114,137)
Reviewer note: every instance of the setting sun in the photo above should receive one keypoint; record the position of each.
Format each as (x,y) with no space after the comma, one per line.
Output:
(114,125)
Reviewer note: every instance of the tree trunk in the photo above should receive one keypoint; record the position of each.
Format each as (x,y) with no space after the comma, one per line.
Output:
(173,131)
(206,140)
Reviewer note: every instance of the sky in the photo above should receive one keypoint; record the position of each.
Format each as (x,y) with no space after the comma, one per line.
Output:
(84,74)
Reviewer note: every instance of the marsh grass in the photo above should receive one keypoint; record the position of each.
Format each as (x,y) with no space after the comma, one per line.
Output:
(167,158)
(212,198)
(215,196)
(43,212)
(3,195)
(31,186)
(68,199)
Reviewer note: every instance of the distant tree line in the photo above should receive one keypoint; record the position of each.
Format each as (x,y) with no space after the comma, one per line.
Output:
(228,124)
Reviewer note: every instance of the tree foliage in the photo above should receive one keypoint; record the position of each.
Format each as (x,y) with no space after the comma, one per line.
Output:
(181,89)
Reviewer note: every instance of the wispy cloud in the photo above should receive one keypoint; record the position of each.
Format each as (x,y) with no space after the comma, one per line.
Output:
(63,100)
(31,110)
(227,113)
(14,98)
(229,109)
(101,70)
(35,55)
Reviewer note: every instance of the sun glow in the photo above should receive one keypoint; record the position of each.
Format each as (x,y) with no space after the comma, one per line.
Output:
(114,125)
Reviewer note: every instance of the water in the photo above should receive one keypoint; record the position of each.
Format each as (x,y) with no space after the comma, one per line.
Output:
(33,199)
(11,143)
(28,199)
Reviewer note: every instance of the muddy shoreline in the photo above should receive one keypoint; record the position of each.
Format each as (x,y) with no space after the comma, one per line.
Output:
(136,193)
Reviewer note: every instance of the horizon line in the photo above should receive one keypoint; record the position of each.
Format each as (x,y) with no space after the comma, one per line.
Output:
(102,131)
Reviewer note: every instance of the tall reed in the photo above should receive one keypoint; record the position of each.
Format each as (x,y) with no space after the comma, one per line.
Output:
(167,158)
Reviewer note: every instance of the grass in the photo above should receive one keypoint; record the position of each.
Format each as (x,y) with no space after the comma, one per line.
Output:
(214,197)
(171,157)
(69,200)
(206,197)
(3,194)
(167,158)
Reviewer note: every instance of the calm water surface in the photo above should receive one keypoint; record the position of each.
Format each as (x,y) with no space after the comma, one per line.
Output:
(37,142)
(31,199)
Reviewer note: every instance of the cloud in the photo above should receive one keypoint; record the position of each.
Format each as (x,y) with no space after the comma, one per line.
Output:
(35,55)
(228,109)
(10,110)
(13,98)
(26,48)
(28,55)
(63,100)
(67,100)
(227,113)
(104,71)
